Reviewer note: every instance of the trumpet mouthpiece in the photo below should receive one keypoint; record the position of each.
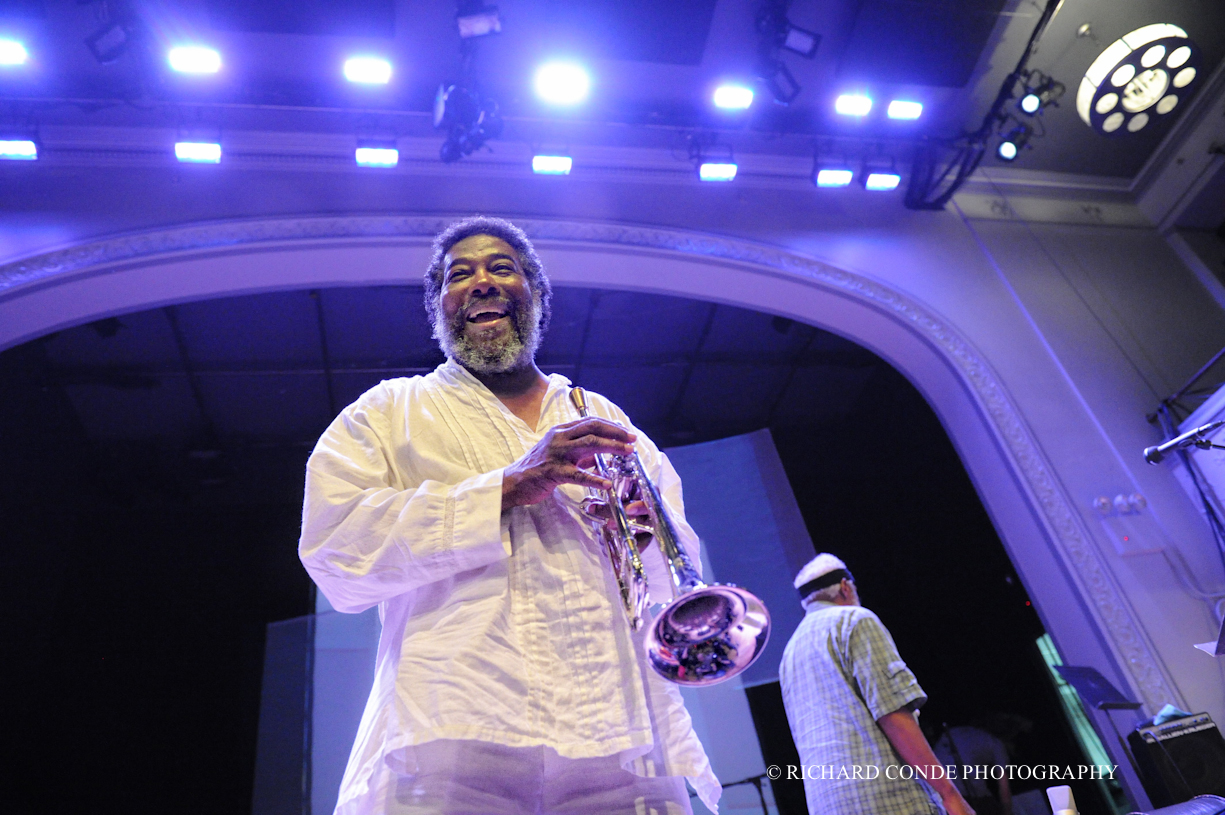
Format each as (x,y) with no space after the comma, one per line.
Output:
(579,397)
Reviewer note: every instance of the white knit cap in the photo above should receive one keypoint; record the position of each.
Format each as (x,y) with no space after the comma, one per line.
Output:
(822,564)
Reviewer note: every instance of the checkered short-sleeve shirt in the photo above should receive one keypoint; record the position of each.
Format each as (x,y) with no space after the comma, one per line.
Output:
(840,673)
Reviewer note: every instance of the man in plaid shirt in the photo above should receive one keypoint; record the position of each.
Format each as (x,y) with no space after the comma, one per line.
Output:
(851,703)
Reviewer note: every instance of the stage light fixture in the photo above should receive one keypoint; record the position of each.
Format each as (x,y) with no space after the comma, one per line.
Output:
(1144,74)
(13,52)
(733,97)
(18,150)
(562,83)
(479,22)
(367,70)
(380,154)
(109,42)
(901,109)
(1012,142)
(779,81)
(469,120)
(710,168)
(801,41)
(552,165)
(1040,91)
(881,180)
(194,59)
(779,32)
(853,104)
(834,177)
(197,152)
(717,171)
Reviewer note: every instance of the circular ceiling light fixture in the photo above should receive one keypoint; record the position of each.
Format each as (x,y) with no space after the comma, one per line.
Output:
(1144,75)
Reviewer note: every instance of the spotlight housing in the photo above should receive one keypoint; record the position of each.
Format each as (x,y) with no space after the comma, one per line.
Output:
(881,180)
(194,59)
(902,109)
(551,164)
(717,170)
(733,97)
(853,104)
(197,152)
(778,80)
(833,177)
(779,32)
(801,41)
(376,154)
(479,22)
(1012,142)
(562,83)
(469,120)
(1041,91)
(13,52)
(708,167)
(109,42)
(367,70)
(18,150)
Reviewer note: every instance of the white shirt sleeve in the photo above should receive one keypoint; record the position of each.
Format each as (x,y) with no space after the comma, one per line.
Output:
(367,538)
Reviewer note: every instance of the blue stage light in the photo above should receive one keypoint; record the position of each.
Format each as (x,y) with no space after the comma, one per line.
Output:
(194,59)
(377,156)
(851,104)
(368,70)
(196,152)
(899,109)
(1030,103)
(733,97)
(18,150)
(713,171)
(13,52)
(1013,141)
(552,165)
(882,181)
(562,83)
(834,177)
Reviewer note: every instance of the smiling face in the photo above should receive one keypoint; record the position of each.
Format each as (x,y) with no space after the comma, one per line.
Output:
(488,316)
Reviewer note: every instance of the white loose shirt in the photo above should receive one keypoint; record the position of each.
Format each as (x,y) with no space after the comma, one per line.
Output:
(497,627)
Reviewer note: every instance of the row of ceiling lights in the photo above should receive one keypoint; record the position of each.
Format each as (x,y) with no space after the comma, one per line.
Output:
(385,154)
(557,83)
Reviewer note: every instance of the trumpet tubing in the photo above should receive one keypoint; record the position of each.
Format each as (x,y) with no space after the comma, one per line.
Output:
(707,633)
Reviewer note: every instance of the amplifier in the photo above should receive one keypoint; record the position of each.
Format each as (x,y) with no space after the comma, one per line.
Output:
(1180,759)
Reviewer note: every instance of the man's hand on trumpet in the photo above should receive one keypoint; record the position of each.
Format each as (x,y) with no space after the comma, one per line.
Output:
(635,510)
(565,455)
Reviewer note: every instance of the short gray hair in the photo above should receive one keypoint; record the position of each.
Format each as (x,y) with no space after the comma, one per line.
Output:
(533,269)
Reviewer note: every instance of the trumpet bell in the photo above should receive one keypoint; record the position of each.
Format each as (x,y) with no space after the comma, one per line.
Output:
(708,635)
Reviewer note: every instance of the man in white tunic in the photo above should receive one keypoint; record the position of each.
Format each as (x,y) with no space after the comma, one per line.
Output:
(507,676)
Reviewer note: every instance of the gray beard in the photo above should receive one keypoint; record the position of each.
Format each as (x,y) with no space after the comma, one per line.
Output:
(495,357)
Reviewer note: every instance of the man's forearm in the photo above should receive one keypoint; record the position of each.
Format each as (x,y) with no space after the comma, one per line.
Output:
(908,740)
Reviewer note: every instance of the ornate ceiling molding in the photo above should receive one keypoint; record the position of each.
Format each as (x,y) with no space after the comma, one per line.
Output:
(1045,492)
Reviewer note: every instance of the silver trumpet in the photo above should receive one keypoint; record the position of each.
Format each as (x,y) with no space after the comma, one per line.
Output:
(707,633)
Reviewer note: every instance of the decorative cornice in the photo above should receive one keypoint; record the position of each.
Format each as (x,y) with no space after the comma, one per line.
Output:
(1062,521)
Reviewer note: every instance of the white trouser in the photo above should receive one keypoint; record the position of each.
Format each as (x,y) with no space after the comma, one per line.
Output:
(477,778)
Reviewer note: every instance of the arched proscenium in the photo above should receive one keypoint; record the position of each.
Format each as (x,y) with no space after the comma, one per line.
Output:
(57,289)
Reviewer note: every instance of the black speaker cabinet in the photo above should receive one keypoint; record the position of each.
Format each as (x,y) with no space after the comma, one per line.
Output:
(1180,759)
